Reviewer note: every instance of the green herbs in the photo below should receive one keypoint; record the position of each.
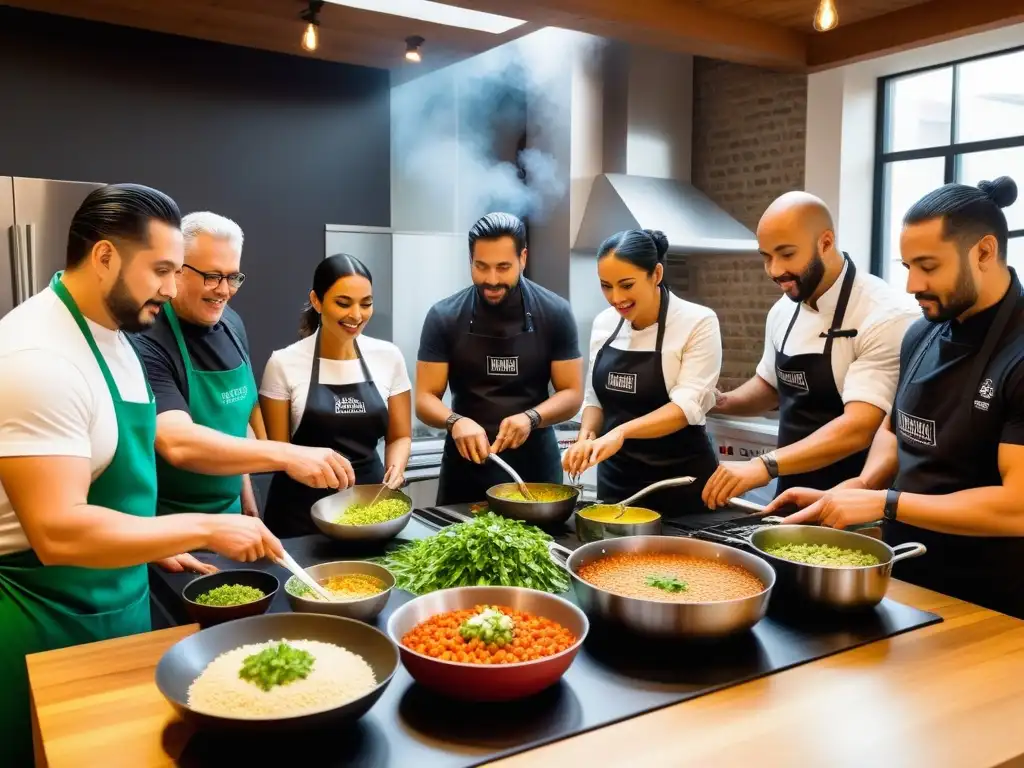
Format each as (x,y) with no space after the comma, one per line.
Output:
(489,626)
(666,583)
(228,595)
(822,554)
(278,665)
(489,550)
(370,514)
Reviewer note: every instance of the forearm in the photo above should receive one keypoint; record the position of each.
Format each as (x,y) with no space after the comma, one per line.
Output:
(663,421)
(96,537)
(990,511)
(561,406)
(196,448)
(593,420)
(396,453)
(752,398)
(882,463)
(431,410)
(839,438)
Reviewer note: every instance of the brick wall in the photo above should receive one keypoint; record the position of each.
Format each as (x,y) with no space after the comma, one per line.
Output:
(748,148)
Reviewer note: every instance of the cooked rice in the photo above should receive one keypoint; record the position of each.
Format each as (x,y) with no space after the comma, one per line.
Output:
(338,676)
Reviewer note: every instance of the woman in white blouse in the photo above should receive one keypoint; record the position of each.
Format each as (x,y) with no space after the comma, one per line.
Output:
(654,363)
(336,388)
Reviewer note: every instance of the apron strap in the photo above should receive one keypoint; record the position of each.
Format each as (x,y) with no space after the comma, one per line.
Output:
(524,296)
(992,338)
(314,374)
(662,314)
(841,305)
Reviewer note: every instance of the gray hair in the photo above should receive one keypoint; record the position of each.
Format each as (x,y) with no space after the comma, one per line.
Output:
(215,225)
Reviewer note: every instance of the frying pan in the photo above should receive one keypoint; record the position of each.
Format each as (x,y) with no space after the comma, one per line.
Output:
(533,512)
(184,661)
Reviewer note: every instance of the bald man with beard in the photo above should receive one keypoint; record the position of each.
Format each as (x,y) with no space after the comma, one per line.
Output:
(830,363)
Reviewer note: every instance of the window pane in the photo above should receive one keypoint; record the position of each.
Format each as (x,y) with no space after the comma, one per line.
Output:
(920,108)
(990,98)
(1015,255)
(906,182)
(981,166)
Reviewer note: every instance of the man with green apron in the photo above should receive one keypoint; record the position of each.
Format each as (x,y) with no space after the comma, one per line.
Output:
(78,478)
(197,362)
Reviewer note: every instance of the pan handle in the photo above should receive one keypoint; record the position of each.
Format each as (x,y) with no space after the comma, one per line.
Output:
(670,483)
(554,550)
(721,538)
(908,550)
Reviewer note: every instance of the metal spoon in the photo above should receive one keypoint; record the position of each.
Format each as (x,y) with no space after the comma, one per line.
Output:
(288,562)
(513,474)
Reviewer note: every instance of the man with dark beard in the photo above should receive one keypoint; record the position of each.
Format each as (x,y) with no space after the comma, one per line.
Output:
(947,469)
(78,486)
(830,364)
(499,344)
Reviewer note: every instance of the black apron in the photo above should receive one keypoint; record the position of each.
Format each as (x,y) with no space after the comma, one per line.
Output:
(351,419)
(492,377)
(631,384)
(947,420)
(809,399)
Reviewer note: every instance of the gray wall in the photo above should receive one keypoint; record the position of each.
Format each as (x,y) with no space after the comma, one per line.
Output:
(282,144)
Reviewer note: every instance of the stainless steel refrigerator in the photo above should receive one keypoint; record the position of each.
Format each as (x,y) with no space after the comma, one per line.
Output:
(35,215)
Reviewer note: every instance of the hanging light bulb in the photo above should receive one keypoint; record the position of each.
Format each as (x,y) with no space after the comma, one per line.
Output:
(311,36)
(412,49)
(826,17)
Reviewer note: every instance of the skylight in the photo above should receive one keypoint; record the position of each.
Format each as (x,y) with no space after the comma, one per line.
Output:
(437,13)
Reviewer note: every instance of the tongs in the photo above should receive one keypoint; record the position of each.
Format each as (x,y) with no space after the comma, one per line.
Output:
(288,563)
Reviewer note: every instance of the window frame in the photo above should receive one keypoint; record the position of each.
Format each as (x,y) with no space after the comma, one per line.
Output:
(948,152)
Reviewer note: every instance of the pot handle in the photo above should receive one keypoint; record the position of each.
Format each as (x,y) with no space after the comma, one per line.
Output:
(721,538)
(910,549)
(554,550)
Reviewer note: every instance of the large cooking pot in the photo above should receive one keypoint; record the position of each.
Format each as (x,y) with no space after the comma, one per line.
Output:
(835,587)
(487,682)
(665,619)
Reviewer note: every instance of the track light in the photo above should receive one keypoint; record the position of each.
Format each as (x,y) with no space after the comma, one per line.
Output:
(826,17)
(412,49)
(311,37)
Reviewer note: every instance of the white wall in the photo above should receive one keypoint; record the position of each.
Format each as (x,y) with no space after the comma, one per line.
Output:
(841,106)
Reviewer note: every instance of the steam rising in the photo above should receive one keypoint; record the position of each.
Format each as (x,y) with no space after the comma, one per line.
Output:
(465,128)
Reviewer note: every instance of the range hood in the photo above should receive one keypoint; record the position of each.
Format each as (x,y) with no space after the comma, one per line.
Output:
(692,223)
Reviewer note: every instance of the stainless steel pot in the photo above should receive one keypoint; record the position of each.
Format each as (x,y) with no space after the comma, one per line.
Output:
(361,609)
(665,619)
(329,508)
(835,587)
(588,529)
(534,512)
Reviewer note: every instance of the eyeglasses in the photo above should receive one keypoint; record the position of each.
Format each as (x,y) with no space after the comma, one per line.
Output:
(213,279)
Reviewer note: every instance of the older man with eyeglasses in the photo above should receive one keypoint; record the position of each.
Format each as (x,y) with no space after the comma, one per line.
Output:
(197,361)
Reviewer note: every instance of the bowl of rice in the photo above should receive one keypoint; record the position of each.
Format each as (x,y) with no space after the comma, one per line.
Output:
(360,590)
(228,595)
(360,514)
(278,672)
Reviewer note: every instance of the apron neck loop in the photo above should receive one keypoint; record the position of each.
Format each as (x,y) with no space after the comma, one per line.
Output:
(314,376)
(662,314)
(524,297)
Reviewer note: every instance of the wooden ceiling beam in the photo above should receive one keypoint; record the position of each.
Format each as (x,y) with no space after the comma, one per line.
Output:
(908,28)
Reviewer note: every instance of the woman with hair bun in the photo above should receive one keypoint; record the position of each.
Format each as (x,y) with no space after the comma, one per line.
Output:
(336,388)
(654,363)
(947,470)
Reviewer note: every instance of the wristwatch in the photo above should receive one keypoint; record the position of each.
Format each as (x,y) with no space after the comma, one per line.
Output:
(450,421)
(768,459)
(892,502)
(534,418)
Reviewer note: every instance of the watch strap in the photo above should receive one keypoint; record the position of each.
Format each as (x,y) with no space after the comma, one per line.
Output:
(534,418)
(892,502)
(450,421)
(770,463)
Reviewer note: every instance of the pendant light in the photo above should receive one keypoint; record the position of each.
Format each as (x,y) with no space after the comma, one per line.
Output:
(826,17)
(311,36)
(412,49)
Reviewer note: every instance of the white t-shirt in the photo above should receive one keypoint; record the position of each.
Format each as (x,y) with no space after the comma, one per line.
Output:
(286,376)
(866,367)
(53,398)
(691,353)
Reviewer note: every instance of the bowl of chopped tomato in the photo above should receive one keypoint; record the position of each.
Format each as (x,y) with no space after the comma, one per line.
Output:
(488,643)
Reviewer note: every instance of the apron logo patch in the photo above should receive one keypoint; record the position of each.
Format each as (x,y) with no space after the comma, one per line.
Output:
(794,379)
(502,366)
(348,405)
(987,389)
(236,395)
(622,382)
(917,430)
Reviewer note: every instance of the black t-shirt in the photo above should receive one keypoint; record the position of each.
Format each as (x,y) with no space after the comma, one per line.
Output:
(552,318)
(957,342)
(209,348)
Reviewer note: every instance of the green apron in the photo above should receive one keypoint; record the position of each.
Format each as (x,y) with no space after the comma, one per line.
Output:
(220,400)
(44,607)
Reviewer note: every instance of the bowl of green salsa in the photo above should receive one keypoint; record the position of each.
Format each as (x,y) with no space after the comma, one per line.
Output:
(228,595)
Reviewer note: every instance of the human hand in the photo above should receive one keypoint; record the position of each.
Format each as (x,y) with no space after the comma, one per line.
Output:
(394,478)
(841,509)
(794,497)
(185,562)
(512,433)
(471,440)
(604,447)
(734,478)
(318,467)
(241,538)
(575,459)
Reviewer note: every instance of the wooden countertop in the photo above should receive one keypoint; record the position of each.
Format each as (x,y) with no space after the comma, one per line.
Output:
(951,694)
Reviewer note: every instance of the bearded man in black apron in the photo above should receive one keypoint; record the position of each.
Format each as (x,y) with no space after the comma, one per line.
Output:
(501,345)
(830,364)
(947,469)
